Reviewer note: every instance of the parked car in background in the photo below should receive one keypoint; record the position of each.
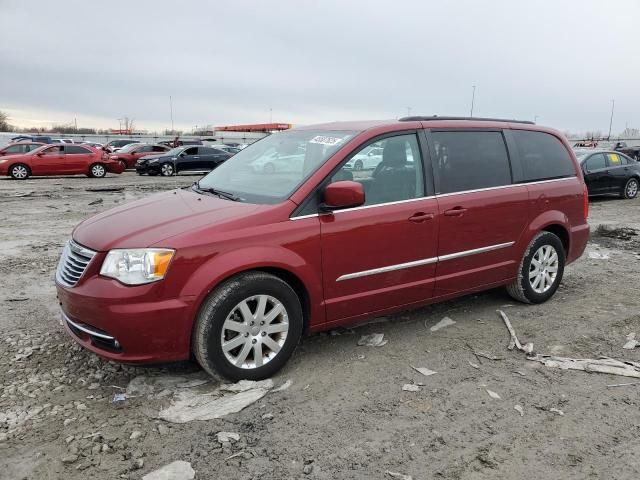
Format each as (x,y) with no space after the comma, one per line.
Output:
(182,159)
(631,151)
(235,269)
(227,148)
(130,154)
(97,145)
(180,142)
(61,140)
(59,159)
(31,138)
(366,160)
(608,172)
(119,143)
(18,148)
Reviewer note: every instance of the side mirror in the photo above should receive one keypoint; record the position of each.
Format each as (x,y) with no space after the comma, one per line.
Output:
(343,194)
(39,154)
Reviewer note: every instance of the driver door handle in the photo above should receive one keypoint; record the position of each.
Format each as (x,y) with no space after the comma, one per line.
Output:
(420,217)
(455,212)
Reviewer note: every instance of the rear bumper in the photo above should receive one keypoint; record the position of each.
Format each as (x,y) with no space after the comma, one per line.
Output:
(131,327)
(578,242)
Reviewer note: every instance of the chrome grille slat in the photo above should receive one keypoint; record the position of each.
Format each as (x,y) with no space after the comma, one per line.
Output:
(73,262)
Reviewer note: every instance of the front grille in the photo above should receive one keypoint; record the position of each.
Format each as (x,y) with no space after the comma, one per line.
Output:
(73,263)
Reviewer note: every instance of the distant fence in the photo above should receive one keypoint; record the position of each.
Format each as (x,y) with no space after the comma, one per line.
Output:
(221,137)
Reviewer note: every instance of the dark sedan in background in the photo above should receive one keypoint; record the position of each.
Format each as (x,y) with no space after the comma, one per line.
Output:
(182,159)
(610,173)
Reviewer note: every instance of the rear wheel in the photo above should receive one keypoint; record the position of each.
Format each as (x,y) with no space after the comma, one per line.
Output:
(167,170)
(631,188)
(19,171)
(540,271)
(97,170)
(248,327)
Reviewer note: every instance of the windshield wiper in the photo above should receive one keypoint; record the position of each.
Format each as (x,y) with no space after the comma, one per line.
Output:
(215,191)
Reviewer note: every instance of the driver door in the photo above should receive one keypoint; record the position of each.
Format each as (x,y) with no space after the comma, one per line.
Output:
(49,161)
(383,254)
(188,159)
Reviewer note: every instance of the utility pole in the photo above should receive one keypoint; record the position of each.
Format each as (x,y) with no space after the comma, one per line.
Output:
(75,121)
(473,99)
(171,112)
(408,111)
(613,106)
(271,115)
(535,119)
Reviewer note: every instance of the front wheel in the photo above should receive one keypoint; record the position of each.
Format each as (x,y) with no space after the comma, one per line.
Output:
(167,170)
(248,327)
(19,172)
(631,189)
(97,170)
(540,271)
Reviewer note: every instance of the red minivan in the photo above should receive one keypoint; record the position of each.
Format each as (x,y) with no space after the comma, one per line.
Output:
(236,268)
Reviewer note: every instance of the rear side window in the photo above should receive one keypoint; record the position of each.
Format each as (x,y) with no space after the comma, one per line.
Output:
(471,160)
(596,162)
(543,156)
(615,160)
(75,150)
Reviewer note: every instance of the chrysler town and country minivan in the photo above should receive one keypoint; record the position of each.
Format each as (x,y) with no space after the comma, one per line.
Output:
(236,268)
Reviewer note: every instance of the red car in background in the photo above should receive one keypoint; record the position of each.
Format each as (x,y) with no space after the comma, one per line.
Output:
(20,148)
(59,159)
(129,154)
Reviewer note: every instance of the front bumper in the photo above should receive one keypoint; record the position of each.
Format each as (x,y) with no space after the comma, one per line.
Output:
(127,324)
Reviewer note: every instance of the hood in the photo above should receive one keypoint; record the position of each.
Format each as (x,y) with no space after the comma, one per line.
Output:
(149,221)
(15,156)
(156,155)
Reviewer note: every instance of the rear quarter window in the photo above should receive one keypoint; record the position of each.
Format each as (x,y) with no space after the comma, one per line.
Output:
(543,156)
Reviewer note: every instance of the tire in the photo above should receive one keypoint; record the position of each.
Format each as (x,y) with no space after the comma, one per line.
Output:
(358,165)
(97,170)
(19,171)
(222,309)
(167,170)
(631,189)
(269,168)
(530,287)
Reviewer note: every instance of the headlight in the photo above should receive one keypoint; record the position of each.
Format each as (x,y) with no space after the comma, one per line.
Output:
(137,266)
(4,161)
(154,160)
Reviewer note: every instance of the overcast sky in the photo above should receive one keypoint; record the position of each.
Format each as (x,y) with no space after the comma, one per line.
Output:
(226,62)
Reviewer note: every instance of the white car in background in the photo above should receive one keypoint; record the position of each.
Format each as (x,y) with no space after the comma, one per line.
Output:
(368,159)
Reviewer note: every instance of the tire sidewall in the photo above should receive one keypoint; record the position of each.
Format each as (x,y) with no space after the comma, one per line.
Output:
(545,238)
(173,171)
(220,303)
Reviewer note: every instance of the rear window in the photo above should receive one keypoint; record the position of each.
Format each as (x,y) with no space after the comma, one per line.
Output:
(471,160)
(543,156)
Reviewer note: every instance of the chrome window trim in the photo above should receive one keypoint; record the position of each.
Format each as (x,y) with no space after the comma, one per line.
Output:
(426,261)
(537,182)
(86,330)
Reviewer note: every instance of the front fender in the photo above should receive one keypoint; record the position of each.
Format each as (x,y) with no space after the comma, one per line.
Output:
(224,265)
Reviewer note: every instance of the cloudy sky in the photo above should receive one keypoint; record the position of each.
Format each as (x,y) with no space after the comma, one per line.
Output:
(227,62)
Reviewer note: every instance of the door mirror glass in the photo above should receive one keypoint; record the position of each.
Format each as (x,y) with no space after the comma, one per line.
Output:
(343,194)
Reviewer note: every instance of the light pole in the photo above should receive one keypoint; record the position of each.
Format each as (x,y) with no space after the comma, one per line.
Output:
(535,119)
(473,98)
(271,115)
(171,112)
(613,106)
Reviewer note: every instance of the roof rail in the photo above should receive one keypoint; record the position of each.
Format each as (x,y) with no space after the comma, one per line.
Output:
(422,118)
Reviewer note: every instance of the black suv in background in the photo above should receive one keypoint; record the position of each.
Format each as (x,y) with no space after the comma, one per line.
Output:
(182,159)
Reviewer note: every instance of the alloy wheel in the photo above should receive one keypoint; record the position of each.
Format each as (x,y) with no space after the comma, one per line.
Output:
(543,269)
(167,169)
(19,172)
(98,171)
(632,188)
(255,331)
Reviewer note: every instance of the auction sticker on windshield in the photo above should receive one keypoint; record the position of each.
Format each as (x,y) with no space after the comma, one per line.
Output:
(322,140)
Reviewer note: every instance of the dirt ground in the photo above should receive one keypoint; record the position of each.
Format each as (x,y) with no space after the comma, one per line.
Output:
(345,414)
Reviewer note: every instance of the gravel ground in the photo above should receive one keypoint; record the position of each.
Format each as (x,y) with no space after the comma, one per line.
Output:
(345,414)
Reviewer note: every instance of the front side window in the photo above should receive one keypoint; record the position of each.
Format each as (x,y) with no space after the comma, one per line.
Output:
(390,170)
(270,170)
(57,150)
(596,162)
(470,160)
(543,156)
(15,149)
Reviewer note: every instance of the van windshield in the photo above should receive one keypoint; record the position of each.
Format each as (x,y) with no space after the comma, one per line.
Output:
(270,170)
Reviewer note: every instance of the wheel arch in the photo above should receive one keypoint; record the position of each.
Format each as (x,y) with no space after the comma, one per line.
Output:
(562,233)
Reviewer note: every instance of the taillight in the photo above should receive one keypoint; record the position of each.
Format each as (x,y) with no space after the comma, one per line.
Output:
(586,201)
